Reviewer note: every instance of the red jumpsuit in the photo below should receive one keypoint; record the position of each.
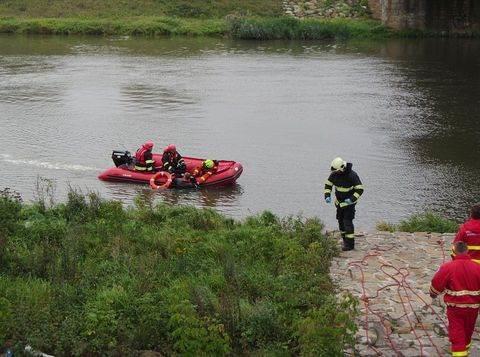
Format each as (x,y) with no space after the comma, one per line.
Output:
(469,233)
(460,280)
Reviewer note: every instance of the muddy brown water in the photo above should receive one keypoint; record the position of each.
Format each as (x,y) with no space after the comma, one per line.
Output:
(405,112)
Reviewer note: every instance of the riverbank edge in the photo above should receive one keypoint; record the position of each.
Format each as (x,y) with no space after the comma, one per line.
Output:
(389,273)
(91,276)
(247,28)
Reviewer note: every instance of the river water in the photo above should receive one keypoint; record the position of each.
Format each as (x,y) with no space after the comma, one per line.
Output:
(405,112)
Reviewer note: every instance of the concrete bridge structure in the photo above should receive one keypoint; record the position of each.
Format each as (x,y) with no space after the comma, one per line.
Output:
(452,16)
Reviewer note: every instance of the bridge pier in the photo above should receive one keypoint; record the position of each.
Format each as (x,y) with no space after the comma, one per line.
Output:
(453,16)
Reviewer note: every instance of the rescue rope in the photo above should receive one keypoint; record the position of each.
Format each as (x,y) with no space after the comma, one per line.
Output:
(399,277)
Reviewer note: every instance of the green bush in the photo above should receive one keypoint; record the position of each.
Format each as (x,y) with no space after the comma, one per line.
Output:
(423,222)
(10,207)
(90,277)
(321,329)
(295,29)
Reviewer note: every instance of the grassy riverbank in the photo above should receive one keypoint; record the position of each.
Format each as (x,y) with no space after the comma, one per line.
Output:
(132,8)
(89,276)
(233,26)
(425,222)
(242,19)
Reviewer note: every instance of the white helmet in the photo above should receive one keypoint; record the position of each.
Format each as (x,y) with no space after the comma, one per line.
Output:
(338,164)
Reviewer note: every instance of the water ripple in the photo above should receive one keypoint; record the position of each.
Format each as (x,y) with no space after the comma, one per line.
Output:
(46,165)
(154,97)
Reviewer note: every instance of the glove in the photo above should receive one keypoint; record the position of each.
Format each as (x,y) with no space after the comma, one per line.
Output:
(328,199)
(193,180)
(348,201)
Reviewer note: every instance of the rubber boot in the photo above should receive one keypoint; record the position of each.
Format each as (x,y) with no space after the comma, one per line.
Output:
(349,244)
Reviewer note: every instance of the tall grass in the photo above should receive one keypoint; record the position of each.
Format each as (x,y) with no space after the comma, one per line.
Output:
(424,222)
(148,26)
(90,277)
(294,29)
(234,26)
(129,8)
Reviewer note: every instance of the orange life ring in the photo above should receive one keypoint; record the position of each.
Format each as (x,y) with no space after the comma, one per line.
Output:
(167,184)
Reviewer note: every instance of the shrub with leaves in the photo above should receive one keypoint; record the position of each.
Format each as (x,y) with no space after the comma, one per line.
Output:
(90,277)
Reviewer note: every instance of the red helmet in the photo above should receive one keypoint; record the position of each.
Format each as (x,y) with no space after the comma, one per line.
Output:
(148,145)
(171,148)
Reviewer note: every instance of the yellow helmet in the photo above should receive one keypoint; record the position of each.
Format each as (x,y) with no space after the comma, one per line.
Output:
(338,164)
(208,164)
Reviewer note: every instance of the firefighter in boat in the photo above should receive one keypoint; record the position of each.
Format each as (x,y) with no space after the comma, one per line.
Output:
(201,173)
(144,158)
(173,162)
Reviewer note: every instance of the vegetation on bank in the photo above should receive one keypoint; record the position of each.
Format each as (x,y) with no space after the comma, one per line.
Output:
(132,8)
(234,26)
(310,29)
(424,222)
(90,277)
(242,19)
(147,26)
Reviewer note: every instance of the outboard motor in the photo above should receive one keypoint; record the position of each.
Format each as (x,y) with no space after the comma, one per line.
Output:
(120,157)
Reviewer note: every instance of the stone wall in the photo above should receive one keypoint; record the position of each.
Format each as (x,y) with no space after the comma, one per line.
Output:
(454,16)
(390,274)
(375,8)
(324,9)
(400,14)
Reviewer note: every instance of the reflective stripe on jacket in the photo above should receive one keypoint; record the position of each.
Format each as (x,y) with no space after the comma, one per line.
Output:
(460,281)
(347,185)
(172,161)
(203,174)
(469,232)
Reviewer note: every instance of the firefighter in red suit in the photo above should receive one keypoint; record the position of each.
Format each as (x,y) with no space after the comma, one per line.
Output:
(460,281)
(144,158)
(201,173)
(469,233)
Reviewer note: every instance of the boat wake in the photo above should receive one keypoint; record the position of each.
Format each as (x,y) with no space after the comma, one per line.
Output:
(47,165)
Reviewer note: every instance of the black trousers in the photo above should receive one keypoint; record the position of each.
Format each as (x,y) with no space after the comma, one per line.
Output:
(345,217)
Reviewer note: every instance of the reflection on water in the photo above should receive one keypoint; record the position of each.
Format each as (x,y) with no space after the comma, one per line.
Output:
(405,112)
(225,197)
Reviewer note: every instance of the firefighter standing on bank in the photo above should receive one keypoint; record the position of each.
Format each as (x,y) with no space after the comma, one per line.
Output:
(348,189)
(469,233)
(460,281)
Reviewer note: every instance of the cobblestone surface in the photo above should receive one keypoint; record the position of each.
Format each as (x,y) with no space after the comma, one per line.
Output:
(324,9)
(390,273)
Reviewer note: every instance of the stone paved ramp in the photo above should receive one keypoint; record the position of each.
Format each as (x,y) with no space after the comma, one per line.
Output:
(390,273)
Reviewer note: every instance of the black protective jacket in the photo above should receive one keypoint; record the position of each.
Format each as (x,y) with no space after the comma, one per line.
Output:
(173,163)
(347,185)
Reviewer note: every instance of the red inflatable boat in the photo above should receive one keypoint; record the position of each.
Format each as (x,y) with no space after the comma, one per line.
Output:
(227,173)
